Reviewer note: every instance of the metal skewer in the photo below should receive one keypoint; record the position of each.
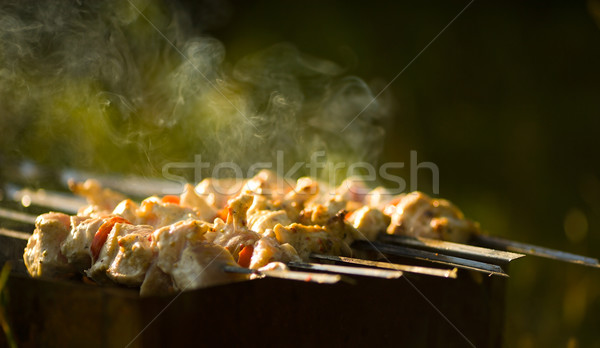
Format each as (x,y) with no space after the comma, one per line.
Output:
(535,250)
(17,216)
(456,249)
(320,278)
(437,272)
(55,200)
(14,234)
(359,271)
(431,257)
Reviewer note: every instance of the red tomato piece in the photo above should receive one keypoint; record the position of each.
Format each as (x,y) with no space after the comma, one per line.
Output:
(102,234)
(245,256)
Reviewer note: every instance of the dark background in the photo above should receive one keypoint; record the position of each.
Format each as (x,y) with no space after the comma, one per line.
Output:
(505,103)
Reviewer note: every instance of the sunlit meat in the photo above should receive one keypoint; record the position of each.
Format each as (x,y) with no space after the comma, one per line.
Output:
(190,199)
(353,190)
(133,257)
(110,250)
(201,265)
(331,219)
(42,256)
(156,213)
(264,214)
(417,215)
(268,184)
(169,241)
(268,249)
(77,245)
(369,222)
(188,259)
(311,239)
(103,199)
(234,235)
(379,198)
(218,191)
(294,201)
(128,210)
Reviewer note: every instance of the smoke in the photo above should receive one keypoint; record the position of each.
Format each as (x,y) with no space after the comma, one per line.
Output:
(120,86)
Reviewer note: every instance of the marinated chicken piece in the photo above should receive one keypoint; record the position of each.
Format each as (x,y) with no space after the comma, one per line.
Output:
(369,222)
(133,258)
(156,213)
(379,198)
(336,204)
(417,215)
(110,249)
(77,245)
(315,214)
(310,239)
(127,209)
(274,266)
(262,220)
(189,261)
(169,241)
(42,255)
(267,250)
(189,198)
(353,190)
(156,282)
(306,189)
(234,235)
(268,184)
(103,198)
(333,221)
(201,265)
(390,208)
(218,191)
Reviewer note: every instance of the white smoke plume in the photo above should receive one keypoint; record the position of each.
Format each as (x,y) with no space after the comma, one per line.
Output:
(96,85)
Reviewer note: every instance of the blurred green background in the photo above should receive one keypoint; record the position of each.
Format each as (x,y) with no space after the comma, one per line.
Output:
(505,102)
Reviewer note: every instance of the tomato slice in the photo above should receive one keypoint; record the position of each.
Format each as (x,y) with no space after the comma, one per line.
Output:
(245,256)
(222,214)
(102,234)
(170,199)
(395,201)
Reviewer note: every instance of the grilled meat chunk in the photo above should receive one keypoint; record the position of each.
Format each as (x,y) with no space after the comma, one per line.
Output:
(190,199)
(369,222)
(188,259)
(158,214)
(110,250)
(310,239)
(417,215)
(133,258)
(42,256)
(268,250)
(103,199)
(77,245)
